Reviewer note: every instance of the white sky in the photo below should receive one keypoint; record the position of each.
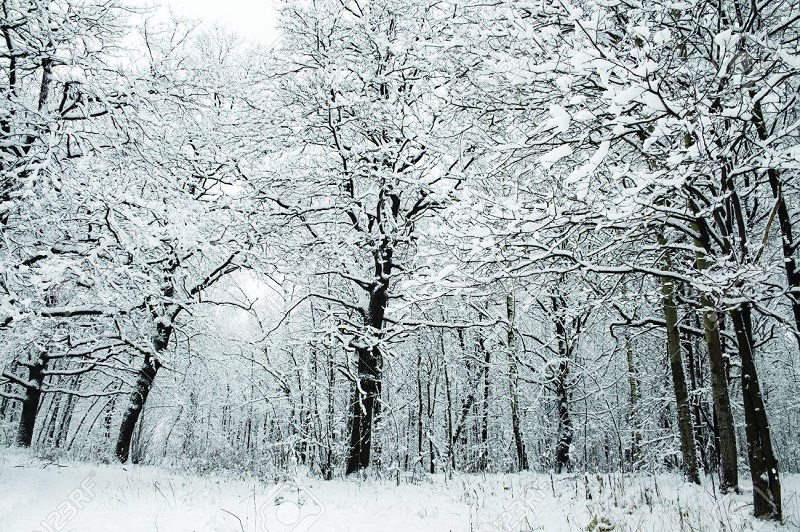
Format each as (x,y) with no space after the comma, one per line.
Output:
(255,19)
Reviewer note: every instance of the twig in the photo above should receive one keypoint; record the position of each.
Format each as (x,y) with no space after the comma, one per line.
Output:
(236,516)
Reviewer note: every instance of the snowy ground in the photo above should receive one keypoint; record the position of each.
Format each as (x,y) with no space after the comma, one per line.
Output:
(39,495)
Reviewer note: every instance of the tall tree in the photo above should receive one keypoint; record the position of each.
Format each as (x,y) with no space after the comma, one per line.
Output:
(363,163)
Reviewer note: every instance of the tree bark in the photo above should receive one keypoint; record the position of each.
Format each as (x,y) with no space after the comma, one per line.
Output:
(513,383)
(763,463)
(449,418)
(420,428)
(688,452)
(365,405)
(697,418)
(788,245)
(729,471)
(366,396)
(633,414)
(30,405)
(566,431)
(483,458)
(144,383)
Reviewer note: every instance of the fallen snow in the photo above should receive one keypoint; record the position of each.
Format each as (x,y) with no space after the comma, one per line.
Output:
(556,154)
(146,498)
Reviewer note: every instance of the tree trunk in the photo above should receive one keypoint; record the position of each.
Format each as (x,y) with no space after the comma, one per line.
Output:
(697,419)
(420,428)
(483,458)
(513,383)
(788,245)
(367,389)
(566,432)
(69,411)
(138,398)
(788,248)
(30,405)
(366,396)
(763,463)
(331,410)
(729,473)
(367,392)
(675,357)
(48,437)
(449,418)
(431,407)
(633,414)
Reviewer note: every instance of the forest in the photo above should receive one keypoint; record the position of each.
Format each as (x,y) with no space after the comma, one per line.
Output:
(411,239)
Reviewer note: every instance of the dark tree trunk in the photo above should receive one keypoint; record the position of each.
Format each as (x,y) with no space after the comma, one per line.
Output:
(449,418)
(420,428)
(366,396)
(565,429)
(513,380)
(788,247)
(696,406)
(30,405)
(365,409)
(431,407)
(55,413)
(487,359)
(763,463)
(688,452)
(788,244)
(144,382)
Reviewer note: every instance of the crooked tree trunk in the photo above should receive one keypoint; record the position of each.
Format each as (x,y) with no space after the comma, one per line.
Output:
(144,383)
(30,404)
(688,452)
(763,463)
(729,472)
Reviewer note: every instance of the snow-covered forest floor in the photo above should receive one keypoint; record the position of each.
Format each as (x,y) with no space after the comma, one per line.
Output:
(44,495)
